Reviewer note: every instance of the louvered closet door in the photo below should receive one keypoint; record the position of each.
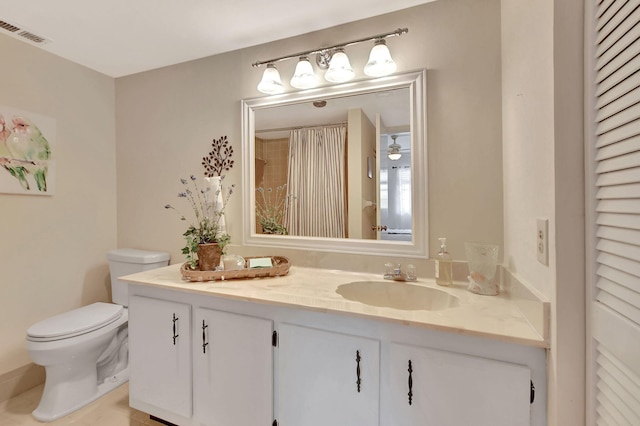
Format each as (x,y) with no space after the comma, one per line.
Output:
(615,301)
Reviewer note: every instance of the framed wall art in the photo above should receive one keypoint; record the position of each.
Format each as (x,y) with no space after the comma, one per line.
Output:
(27,148)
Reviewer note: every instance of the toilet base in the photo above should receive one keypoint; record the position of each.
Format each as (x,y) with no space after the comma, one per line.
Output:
(50,408)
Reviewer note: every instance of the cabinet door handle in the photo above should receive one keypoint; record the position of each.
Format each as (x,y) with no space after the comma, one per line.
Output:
(359,380)
(410,394)
(204,338)
(175,336)
(533,393)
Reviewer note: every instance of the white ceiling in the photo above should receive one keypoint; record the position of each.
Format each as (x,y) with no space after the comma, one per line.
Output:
(122,37)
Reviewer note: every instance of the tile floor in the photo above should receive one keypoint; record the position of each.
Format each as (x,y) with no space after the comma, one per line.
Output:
(110,410)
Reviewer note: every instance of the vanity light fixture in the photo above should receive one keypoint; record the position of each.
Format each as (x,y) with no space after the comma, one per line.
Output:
(271,83)
(334,59)
(304,77)
(380,61)
(339,68)
(394,149)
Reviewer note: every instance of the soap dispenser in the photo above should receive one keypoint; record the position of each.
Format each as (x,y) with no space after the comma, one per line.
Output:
(444,269)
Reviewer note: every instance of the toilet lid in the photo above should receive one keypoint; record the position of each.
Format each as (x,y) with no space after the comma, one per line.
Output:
(73,323)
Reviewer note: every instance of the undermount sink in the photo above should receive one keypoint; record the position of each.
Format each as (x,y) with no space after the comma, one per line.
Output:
(397,295)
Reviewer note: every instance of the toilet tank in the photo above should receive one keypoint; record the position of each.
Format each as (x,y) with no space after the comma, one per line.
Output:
(126,261)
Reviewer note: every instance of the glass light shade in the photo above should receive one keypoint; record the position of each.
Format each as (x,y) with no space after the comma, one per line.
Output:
(380,61)
(304,77)
(339,68)
(393,155)
(271,83)
(394,150)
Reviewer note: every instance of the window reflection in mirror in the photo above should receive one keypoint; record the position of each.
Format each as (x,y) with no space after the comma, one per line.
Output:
(318,169)
(395,187)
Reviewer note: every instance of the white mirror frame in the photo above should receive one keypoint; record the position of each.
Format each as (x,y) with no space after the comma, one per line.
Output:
(418,247)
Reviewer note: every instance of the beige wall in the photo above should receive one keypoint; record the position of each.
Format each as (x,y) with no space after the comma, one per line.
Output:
(528,136)
(568,312)
(53,248)
(166,118)
(542,91)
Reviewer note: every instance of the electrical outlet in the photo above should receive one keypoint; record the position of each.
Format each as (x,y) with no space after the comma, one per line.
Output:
(542,241)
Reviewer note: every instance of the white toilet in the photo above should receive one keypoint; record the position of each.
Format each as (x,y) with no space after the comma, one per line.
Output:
(85,351)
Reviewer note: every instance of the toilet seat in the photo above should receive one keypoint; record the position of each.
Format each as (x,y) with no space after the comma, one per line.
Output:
(76,322)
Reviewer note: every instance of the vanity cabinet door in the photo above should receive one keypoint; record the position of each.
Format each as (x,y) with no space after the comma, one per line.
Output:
(233,369)
(432,387)
(327,378)
(160,356)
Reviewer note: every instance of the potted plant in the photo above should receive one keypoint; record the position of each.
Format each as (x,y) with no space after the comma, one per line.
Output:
(205,240)
(271,209)
(206,236)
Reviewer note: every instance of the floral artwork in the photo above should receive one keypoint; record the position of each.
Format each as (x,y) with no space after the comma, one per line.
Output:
(26,156)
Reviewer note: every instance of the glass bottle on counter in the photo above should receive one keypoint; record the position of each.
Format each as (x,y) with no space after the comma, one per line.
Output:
(444,265)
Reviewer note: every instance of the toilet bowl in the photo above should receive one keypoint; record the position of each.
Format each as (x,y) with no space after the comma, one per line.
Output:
(85,351)
(70,356)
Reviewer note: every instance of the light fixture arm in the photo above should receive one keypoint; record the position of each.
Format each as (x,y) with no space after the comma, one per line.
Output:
(326,51)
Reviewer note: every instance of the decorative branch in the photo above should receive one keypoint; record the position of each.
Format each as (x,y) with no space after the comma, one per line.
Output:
(219,158)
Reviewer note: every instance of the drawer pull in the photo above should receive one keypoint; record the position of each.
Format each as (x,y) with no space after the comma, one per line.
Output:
(359,380)
(410,394)
(204,338)
(175,336)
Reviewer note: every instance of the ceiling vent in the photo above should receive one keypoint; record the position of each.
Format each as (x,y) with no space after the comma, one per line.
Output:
(8,27)
(22,33)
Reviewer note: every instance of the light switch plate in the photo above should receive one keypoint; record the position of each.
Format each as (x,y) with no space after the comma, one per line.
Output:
(542,241)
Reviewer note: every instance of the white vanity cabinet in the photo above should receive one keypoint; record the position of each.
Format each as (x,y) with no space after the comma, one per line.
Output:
(232,369)
(160,357)
(327,378)
(244,362)
(191,365)
(432,387)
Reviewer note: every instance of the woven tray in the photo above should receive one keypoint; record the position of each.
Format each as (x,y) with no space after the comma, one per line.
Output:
(280,267)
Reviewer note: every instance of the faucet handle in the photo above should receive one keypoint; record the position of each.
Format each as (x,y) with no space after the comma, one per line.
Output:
(388,268)
(394,272)
(411,273)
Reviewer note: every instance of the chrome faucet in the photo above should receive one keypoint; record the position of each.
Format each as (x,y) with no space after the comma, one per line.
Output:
(394,272)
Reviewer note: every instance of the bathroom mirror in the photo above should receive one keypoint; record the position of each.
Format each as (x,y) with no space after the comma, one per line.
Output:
(368,117)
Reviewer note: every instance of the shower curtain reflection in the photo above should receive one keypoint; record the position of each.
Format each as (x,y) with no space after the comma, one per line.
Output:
(316,182)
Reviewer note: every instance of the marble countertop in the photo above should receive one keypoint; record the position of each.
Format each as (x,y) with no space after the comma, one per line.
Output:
(496,317)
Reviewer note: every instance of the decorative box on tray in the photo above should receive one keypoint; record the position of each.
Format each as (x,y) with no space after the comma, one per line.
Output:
(280,267)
